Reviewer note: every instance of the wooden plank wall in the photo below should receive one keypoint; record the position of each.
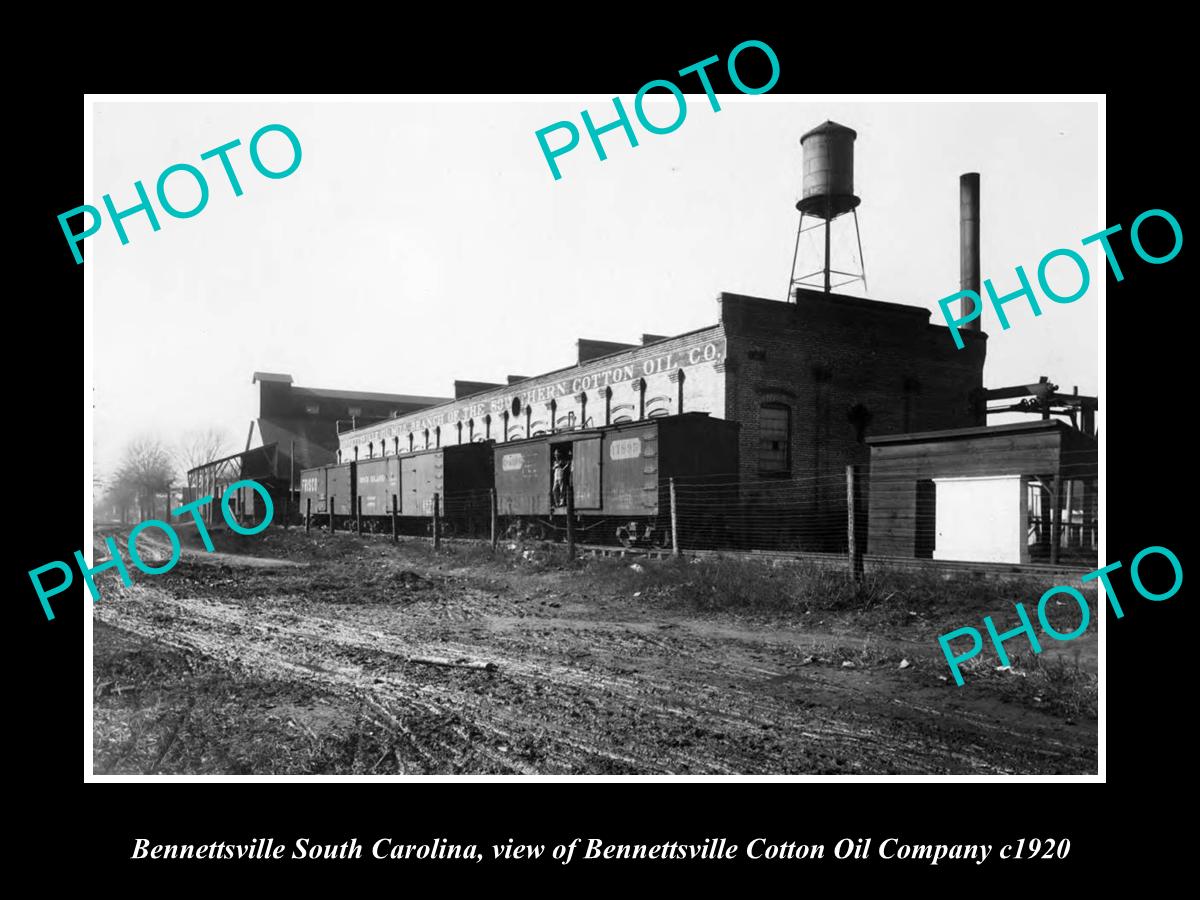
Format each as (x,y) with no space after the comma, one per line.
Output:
(896,469)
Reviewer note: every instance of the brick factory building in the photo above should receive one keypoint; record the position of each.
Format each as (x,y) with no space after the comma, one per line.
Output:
(808,382)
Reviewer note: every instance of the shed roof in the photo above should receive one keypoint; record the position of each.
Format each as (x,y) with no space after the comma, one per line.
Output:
(278,377)
(407,399)
(954,434)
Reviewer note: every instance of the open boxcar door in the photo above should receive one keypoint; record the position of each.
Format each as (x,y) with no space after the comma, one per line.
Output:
(585,473)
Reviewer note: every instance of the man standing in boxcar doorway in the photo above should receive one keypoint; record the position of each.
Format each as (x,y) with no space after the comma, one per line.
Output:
(561,472)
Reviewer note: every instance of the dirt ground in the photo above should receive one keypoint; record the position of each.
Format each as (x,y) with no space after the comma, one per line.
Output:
(293,653)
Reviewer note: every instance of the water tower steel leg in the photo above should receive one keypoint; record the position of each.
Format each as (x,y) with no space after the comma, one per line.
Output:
(862,262)
(795,256)
(827,254)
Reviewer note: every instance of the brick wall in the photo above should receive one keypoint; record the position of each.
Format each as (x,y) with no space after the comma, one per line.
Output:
(847,368)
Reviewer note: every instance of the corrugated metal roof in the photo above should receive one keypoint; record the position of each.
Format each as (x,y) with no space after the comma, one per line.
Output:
(272,376)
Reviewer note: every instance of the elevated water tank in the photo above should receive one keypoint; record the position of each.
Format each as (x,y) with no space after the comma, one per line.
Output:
(828,189)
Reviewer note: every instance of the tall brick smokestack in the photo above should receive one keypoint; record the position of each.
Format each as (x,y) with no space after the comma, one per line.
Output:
(968,244)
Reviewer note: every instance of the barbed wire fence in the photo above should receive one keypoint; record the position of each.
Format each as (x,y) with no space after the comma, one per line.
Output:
(839,517)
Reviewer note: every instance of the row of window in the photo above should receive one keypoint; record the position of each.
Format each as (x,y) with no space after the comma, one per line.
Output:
(512,429)
(774,431)
(353,412)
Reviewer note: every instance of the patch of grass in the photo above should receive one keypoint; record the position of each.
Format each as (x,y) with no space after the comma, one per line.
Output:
(775,586)
(1054,685)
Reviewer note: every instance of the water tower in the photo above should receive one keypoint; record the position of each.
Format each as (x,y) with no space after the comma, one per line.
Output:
(828,193)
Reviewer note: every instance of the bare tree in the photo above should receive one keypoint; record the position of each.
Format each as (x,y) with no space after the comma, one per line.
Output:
(202,446)
(120,496)
(146,468)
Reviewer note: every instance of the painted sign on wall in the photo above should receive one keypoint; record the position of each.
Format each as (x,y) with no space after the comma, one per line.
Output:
(541,390)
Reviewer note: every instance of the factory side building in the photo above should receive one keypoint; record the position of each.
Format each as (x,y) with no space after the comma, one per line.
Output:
(296,428)
(807,382)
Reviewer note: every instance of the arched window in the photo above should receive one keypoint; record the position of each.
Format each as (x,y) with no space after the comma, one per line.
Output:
(459,428)
(397,440)
(528,419)
(657,407)
(470,431)
(426,438)
(437,436)
(410,442)
(774,439)
(356,451)
(621,413)
(339,456)
(487,427)
(370,450)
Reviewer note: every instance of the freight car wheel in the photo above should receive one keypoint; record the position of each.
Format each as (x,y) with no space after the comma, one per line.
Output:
(624,537)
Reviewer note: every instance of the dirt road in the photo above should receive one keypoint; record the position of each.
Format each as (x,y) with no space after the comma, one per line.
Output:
(568,677)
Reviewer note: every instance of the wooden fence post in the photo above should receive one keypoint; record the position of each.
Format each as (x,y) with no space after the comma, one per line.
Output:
(570,520)
(1056,520)
(358,516)
(393,518)
(287,502)
(674,522)
(853,552)
(308,515)
(1070,502)
(495,528)
(437,538)
(332,527)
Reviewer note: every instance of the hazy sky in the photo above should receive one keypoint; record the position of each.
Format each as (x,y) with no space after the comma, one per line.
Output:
(419,242)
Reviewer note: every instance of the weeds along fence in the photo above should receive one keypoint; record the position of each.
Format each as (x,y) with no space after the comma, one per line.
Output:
(1012,514)
(952,512)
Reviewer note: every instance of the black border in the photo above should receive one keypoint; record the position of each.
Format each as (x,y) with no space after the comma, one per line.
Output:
(1145,411)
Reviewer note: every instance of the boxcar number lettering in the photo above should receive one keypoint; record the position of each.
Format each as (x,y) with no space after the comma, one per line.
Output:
(630,448)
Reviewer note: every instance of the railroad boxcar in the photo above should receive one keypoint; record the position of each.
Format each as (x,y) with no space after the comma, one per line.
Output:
(378,482)
(523,477)
(460,475)
(620,476)
(340,489)
(313,496)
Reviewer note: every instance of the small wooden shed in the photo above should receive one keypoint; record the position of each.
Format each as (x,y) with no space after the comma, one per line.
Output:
(1021,493)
